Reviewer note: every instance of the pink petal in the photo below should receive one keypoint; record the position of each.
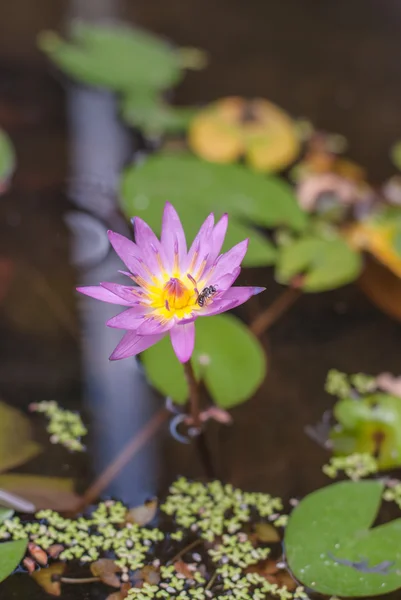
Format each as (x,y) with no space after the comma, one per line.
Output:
(131,344)
(231,298)
(227,263)
(183,341)
(226,281)
(152,326)
(125,249)
(130,255)
(200,247)
(100,293)
(149,245)
(218,235)
(173,237)
(131,318)
(130,294)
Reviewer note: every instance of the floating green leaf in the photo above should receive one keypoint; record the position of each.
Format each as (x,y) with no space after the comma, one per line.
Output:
(395,154)
(11,554)
(332,548)
(227,357)
(56,493)
(115,57)
(324,264)
(197,187)
(5,513)
(16,445)
(371,424)
(152,115)
(7,160)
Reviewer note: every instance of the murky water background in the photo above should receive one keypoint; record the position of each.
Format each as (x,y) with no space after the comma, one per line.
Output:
(335,63)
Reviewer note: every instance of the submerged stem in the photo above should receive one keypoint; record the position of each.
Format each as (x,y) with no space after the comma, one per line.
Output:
(194,401)
(190,546)
(193,394)
(273,312)
(133,446)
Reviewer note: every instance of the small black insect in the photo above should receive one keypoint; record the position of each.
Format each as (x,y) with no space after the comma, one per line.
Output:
(206,293)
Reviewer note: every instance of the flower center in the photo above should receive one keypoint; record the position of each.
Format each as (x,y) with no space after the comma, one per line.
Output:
(176,295)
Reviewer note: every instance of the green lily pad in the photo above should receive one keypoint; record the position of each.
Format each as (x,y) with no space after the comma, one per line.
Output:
(16,444)
(197,187)
(153,116)
(7,160)
(324,264)
(227,357)
(332,548)
(371,424)
(115,57)
(11,554)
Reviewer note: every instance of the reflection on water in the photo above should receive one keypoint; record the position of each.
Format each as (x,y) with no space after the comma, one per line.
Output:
(116,394)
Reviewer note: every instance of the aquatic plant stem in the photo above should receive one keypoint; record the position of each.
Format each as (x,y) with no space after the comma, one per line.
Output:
(211,581)
(190,546)
(193,388)
(77,580)
(273,312)
(194,402)
(127,453)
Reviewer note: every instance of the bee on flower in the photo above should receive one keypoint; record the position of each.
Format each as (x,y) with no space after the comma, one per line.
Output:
(173,285)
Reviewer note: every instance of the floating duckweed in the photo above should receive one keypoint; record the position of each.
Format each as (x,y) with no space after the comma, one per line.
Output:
(281,521)
(254,586)
(65,427)
(337,384)
(107,533)
(86,539)
(392,493)
(238,550)
(363,384)
(144,593)
(204,508)
(341,385)
(355,466)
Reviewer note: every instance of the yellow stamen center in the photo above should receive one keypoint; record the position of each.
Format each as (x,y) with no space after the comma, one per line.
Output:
(176,294)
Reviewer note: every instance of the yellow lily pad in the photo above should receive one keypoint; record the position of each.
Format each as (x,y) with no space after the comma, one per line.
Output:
(381,238)
(234,127)
(16,444)
(49,579)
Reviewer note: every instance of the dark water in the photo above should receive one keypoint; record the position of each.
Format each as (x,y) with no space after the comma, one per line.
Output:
(336,63)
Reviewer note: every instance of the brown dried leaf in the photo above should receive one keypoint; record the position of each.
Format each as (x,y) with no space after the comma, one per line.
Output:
(266,533)
(183,569)
(122,594)
(44,578)
(106,570)
(44,492)
(149,574)
(273,574)
(389,383)
(55,550)
(29,565)
(265,568)
(142,515)
(37,554)
(283,577)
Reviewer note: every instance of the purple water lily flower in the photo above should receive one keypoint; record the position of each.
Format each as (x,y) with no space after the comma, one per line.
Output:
(174,286)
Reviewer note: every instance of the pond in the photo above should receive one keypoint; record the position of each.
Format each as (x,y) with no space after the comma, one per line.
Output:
(70,149)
